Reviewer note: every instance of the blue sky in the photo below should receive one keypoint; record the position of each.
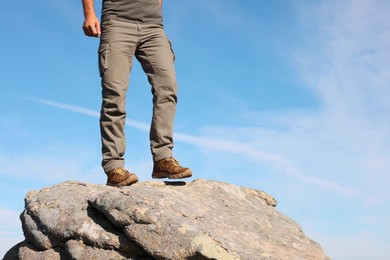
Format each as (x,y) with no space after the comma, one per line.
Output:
(289,97)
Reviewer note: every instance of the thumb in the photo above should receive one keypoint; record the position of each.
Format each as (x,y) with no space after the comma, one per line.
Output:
(98,30)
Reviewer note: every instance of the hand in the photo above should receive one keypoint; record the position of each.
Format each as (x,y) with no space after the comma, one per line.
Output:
(91,26)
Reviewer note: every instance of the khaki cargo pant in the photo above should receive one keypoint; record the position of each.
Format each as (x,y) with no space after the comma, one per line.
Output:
(119,43)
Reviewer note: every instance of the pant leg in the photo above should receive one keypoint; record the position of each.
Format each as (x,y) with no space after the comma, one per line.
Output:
(116,51)
(157,59)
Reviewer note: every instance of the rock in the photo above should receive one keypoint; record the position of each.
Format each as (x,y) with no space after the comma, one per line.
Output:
(24,250)
(158,220)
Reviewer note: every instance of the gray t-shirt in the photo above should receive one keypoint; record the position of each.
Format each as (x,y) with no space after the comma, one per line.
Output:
(138,11)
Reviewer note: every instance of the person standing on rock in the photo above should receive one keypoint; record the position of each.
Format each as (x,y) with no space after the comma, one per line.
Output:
(131,28)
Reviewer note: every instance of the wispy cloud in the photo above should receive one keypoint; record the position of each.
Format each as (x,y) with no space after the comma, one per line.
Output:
(347,61)
(10,230)
(9,219)
(51,166)
(287,166)
(360,246)
(8,240)
(87,112)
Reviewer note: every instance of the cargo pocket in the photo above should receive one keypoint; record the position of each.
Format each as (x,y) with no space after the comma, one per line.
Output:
(173,53)
(104,52)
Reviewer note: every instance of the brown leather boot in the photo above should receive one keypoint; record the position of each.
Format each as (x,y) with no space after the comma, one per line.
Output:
(170,168)
(119,177)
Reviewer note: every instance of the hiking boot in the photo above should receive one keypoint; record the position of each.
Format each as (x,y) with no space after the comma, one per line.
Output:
(119,177)
(170,168)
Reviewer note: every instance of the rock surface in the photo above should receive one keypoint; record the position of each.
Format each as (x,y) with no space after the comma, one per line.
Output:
(158,220)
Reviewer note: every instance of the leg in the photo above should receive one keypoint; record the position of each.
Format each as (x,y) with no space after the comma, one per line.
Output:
(157,59)
(117,47)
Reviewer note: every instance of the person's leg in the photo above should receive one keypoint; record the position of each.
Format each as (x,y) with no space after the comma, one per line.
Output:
(116,50)
(157,59)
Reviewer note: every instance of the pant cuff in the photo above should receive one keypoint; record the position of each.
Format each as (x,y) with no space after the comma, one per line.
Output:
(162,156)
(111,165)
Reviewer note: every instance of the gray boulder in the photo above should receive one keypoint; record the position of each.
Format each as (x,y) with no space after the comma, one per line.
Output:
(158,220)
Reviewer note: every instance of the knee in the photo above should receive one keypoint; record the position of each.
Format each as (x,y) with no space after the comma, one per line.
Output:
(166,82)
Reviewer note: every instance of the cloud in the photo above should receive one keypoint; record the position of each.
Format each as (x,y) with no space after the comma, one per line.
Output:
(217,144)
(358,246)
(51,168)
(347,62)
(10,229)
(9,219)
(8,240)
(87,112)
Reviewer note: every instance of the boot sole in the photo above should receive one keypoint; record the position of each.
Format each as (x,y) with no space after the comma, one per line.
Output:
(162,175)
